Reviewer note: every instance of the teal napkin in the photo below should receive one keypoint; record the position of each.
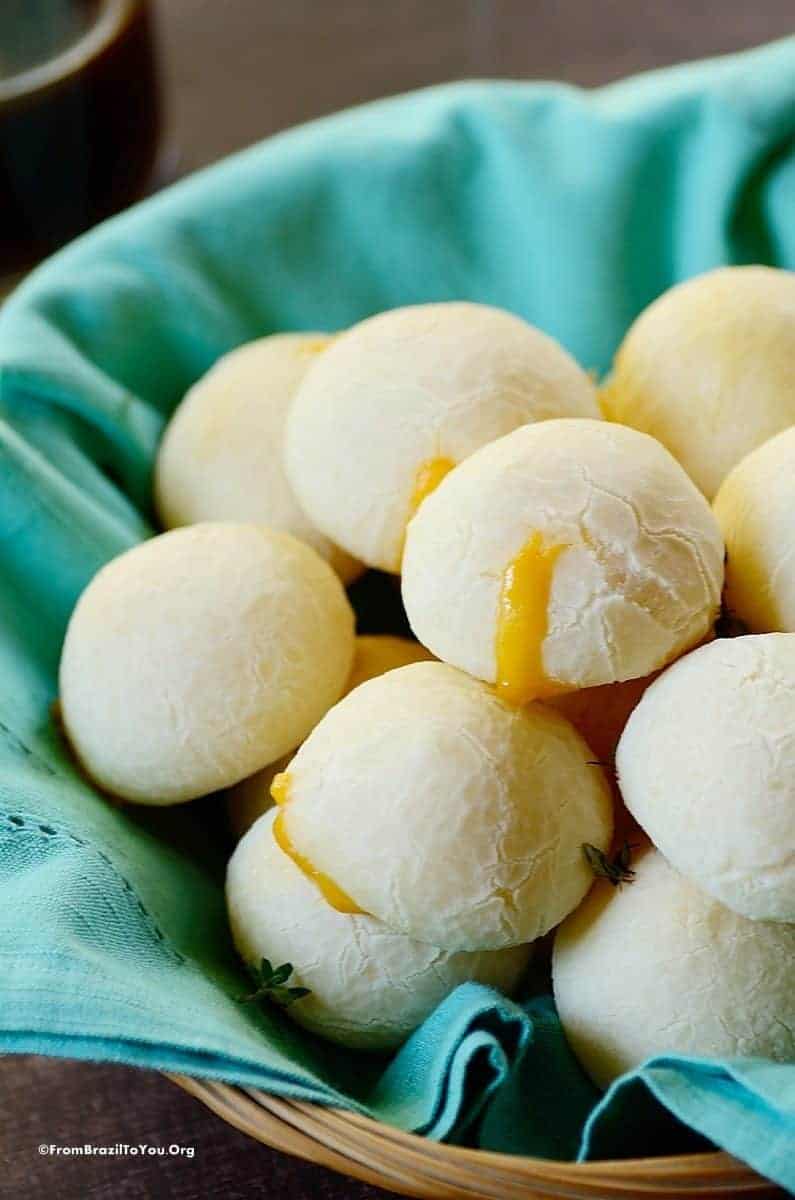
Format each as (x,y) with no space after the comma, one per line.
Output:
(574,209)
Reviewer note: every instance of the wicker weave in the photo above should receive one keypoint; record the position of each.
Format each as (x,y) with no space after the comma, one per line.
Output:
(414,1166)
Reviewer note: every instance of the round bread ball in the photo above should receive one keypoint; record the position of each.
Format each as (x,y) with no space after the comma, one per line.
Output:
(402,397)
(709,369)
(755,507)
(568,554)
(444,812)
(221,457)
(369,987)
(374,654)
(659,967)
(706,764)
(199,656)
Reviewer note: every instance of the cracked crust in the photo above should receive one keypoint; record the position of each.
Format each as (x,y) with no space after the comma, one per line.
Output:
(199,656)
(638,584)
(374,655)
(658,967)
(706,764)
(408,387)
(449,815)
(370,987)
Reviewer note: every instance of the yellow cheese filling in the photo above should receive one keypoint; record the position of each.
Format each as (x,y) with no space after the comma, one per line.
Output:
(522,623)
(332,894)
(427,480)
(280,788)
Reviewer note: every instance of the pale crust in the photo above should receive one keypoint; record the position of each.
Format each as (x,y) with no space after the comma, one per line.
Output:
(370,987)
(658,967)
(639,580)
(374,655)
(708,369)
(447,814)
(408,387)
(706,764)
(755,507)
(199,656)
(221,456)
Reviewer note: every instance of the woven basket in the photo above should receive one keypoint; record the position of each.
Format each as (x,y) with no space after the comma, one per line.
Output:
(414,1166)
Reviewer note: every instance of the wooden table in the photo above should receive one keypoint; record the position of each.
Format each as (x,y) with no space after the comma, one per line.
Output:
(234,71)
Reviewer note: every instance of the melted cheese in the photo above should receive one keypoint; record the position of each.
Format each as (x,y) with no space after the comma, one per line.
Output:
(332,894)
(280,788)
(427,480)
(522,623)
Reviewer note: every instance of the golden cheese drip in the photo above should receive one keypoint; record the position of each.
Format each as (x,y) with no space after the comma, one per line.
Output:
(522,623)
(332,894)
(427,480)
(280,788)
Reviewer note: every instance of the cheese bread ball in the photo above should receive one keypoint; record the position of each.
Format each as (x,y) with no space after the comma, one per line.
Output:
(374,654)
(221,457)
(402,397)
(566,555)
(709,369)
(426,801)
(199,656)
(659,967)
(370,987)
(706,765)
(755,508)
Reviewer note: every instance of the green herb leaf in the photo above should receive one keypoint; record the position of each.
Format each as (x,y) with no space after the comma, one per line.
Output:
(617,869)
(270,985)
(298,993)
(286,996)
(281,974)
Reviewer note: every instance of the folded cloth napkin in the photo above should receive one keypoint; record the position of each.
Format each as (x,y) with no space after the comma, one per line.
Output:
(574,209)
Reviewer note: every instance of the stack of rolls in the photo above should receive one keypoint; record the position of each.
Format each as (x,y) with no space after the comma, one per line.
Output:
(413,814)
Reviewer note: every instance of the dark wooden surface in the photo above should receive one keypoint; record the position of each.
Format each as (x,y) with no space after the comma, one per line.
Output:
(52,1102)
(237,70)
(234,71)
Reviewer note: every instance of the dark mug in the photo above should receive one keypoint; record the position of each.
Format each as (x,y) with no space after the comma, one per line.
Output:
(79,118)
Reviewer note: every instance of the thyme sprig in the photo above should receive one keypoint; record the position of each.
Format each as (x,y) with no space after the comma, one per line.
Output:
(616,869)
(271,982)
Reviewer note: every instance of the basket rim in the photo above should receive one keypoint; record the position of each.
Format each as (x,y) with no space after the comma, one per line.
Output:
(412,1165)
